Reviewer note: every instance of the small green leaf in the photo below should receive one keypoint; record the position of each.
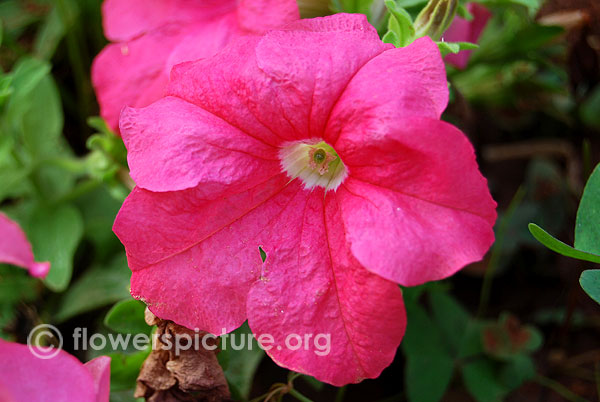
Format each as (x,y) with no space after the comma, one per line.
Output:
(587,226)
(590,282)
(127,317)
(98,287)
(558,246)
(55,233)
(455,47)
(400,25)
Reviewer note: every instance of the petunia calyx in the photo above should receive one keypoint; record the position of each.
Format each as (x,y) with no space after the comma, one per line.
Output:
(314,162)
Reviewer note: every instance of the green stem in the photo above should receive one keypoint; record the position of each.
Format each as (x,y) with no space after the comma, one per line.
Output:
(559,389)
(299,396)
(339,397)
(486,287)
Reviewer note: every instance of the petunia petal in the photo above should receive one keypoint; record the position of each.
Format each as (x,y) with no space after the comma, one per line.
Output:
(126,19)
(174,145)
(26,377)
(414,84)
(100,370)
(16,250)
(133,73)
(313,289)
(259,16)
(193,260)
(415,205)
(271,86)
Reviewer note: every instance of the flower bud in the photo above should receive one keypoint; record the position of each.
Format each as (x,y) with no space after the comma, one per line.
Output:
(435,18)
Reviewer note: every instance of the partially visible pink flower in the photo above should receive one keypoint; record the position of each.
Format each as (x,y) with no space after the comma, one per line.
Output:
(24,377)
(324,147)
(16,250)
(154,35)
(462,30)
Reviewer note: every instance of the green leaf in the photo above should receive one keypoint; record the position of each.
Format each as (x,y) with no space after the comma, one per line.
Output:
(27,73)
(240,365)
(124,369)
(451,318)
(455,47)
(49,35)
(587,226)
(558,246)
(425,352)
(5,88)
(42,120)
(590,282)
(482,380)
(127,317)
(517,371)
(401,31)
(55,233)
(98,287)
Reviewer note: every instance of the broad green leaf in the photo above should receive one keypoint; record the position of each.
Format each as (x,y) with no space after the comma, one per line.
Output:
(587,226)
(42,121)
(55,233)
(240,365)
(124,369)
(558,246)
(451,318)
(590,282)
(517,371)
(127,317)
(98,287)
(482,380)
(27,73)
(426,352)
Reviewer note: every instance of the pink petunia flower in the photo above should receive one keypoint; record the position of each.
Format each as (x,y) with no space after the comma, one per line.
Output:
(25,377)
(154,35)
(462,30)
(16,250)
(324,147)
